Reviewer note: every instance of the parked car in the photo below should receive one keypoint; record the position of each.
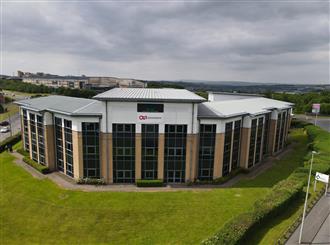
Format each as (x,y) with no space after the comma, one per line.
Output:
(4,130)
(4,123)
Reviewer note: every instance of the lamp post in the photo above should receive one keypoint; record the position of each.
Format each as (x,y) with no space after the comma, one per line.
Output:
(307,191)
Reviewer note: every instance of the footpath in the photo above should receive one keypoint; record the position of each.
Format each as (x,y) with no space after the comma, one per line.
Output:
(317,224)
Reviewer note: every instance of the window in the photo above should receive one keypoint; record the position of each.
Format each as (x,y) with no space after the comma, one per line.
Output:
(33,131)
(68,147)
(278,130)
(282,133)
(266,131)
(236,144)
(41,143)
(252,143)
(59,144)
(207,135)
(150,107)
(26,131)
(227,148)
(175,153)
(91,149)
(149,151)
(258,140)
(123,147)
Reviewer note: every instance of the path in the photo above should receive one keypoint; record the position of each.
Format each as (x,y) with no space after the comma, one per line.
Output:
(67,183)
(317,224)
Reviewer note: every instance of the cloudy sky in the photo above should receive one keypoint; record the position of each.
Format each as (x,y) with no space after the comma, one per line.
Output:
(262,41)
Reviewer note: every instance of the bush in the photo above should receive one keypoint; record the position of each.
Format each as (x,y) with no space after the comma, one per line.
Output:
(11,141)
(23,152)
(149,183)
(91,181)
(221,180)
(41,168)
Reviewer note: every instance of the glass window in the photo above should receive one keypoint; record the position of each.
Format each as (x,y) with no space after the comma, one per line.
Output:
(236,144)
(252,142)
(123,147)
(227,148)
(59,144)
(68,147)
(207,135)
(150,107)
(175,153)
(91,148)
(149,151)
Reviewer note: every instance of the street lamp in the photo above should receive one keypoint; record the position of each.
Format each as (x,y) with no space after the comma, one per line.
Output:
(307,191)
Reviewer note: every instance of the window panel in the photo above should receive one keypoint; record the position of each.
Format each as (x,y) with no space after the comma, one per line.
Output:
(146,107)
(149,151)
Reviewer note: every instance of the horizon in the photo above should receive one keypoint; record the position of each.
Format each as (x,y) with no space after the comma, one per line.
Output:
(268,42)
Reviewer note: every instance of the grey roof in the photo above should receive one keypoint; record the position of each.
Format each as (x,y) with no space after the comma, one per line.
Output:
(63,104)
(149,94)
(231,108)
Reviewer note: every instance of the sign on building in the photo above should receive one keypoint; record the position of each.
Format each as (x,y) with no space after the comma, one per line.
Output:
(316,108)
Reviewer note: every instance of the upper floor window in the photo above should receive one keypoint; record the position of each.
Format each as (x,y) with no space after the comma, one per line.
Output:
(150,107)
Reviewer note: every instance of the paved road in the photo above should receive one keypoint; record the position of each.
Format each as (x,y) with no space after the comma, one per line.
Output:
(15,125)
(322,122)
(317,224)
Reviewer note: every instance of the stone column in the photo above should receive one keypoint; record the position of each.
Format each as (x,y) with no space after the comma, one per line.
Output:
(138,156)
(272,136)
(161,148)
(49,146)
(218,155)
(78,162)
(245,146)
(106,157)
(191,161)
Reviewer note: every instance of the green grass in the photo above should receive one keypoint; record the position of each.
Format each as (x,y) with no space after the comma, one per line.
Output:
(37,211)
(12,109)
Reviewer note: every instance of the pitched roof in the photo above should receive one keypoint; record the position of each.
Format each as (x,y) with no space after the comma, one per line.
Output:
(230,108)
(149,94)
(64,104)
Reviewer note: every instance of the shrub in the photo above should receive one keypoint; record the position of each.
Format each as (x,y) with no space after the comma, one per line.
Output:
(41,168)
(91,181)
(23,152)
(221,180)
(11,141)
(149,183)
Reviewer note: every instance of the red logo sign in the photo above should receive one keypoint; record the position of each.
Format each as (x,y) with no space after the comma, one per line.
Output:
(143,117)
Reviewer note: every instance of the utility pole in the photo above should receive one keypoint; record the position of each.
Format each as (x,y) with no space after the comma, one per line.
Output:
(306,198)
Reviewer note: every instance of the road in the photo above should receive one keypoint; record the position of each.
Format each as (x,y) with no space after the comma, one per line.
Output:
(323,122)
(15,125)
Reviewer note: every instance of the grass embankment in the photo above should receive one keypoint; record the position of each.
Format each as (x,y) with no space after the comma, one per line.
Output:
(37,211)
(12,109)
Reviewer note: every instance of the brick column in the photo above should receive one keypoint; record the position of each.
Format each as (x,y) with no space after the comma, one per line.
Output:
(78,164)
(245,146)
(49,146)
(218,155)
(161,145)
(138,156)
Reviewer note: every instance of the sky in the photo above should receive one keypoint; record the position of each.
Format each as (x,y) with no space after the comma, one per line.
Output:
(257,41)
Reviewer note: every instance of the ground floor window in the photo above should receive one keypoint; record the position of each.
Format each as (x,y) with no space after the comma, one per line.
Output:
(91,149)
(123,141)
(175,153)
(207,135)
(149,151)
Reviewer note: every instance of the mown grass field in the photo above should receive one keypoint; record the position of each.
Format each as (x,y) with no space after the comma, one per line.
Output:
(37,211)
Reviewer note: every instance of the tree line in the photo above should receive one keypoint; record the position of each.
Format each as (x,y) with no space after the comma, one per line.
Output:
(20,86)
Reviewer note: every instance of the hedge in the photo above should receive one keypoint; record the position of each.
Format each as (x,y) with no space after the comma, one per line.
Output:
(91,181)
(149,183)
(10,141)
(41,168)
(239,229)
(23,152)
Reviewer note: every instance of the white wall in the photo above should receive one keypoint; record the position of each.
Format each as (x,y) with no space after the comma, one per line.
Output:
(221,123)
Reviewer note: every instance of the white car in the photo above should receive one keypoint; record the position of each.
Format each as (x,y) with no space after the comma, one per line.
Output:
(4,130)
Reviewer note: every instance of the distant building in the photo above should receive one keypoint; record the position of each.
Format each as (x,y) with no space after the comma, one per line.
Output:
(95,83)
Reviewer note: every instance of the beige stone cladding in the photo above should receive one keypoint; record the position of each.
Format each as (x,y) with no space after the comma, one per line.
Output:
(245,146)
(78,165)
(191,157)
(106,157)
(161,145)
(138,156)
(218,155)
(49,146)
(272,136)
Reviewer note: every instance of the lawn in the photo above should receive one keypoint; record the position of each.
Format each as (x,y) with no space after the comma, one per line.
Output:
(12,109)
(37,211)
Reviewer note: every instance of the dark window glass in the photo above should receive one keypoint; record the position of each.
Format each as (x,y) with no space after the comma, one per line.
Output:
(207,136)
(26,131)
(68,147)
(91,148)
(33,131)
(41,142)
(236,144)
(175,153)
(149,151)
(227,148)
(59,144)
(123,138)
(252,142)
(282,133)
(150,107)
(266,132)
(258,141)
(278,130)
